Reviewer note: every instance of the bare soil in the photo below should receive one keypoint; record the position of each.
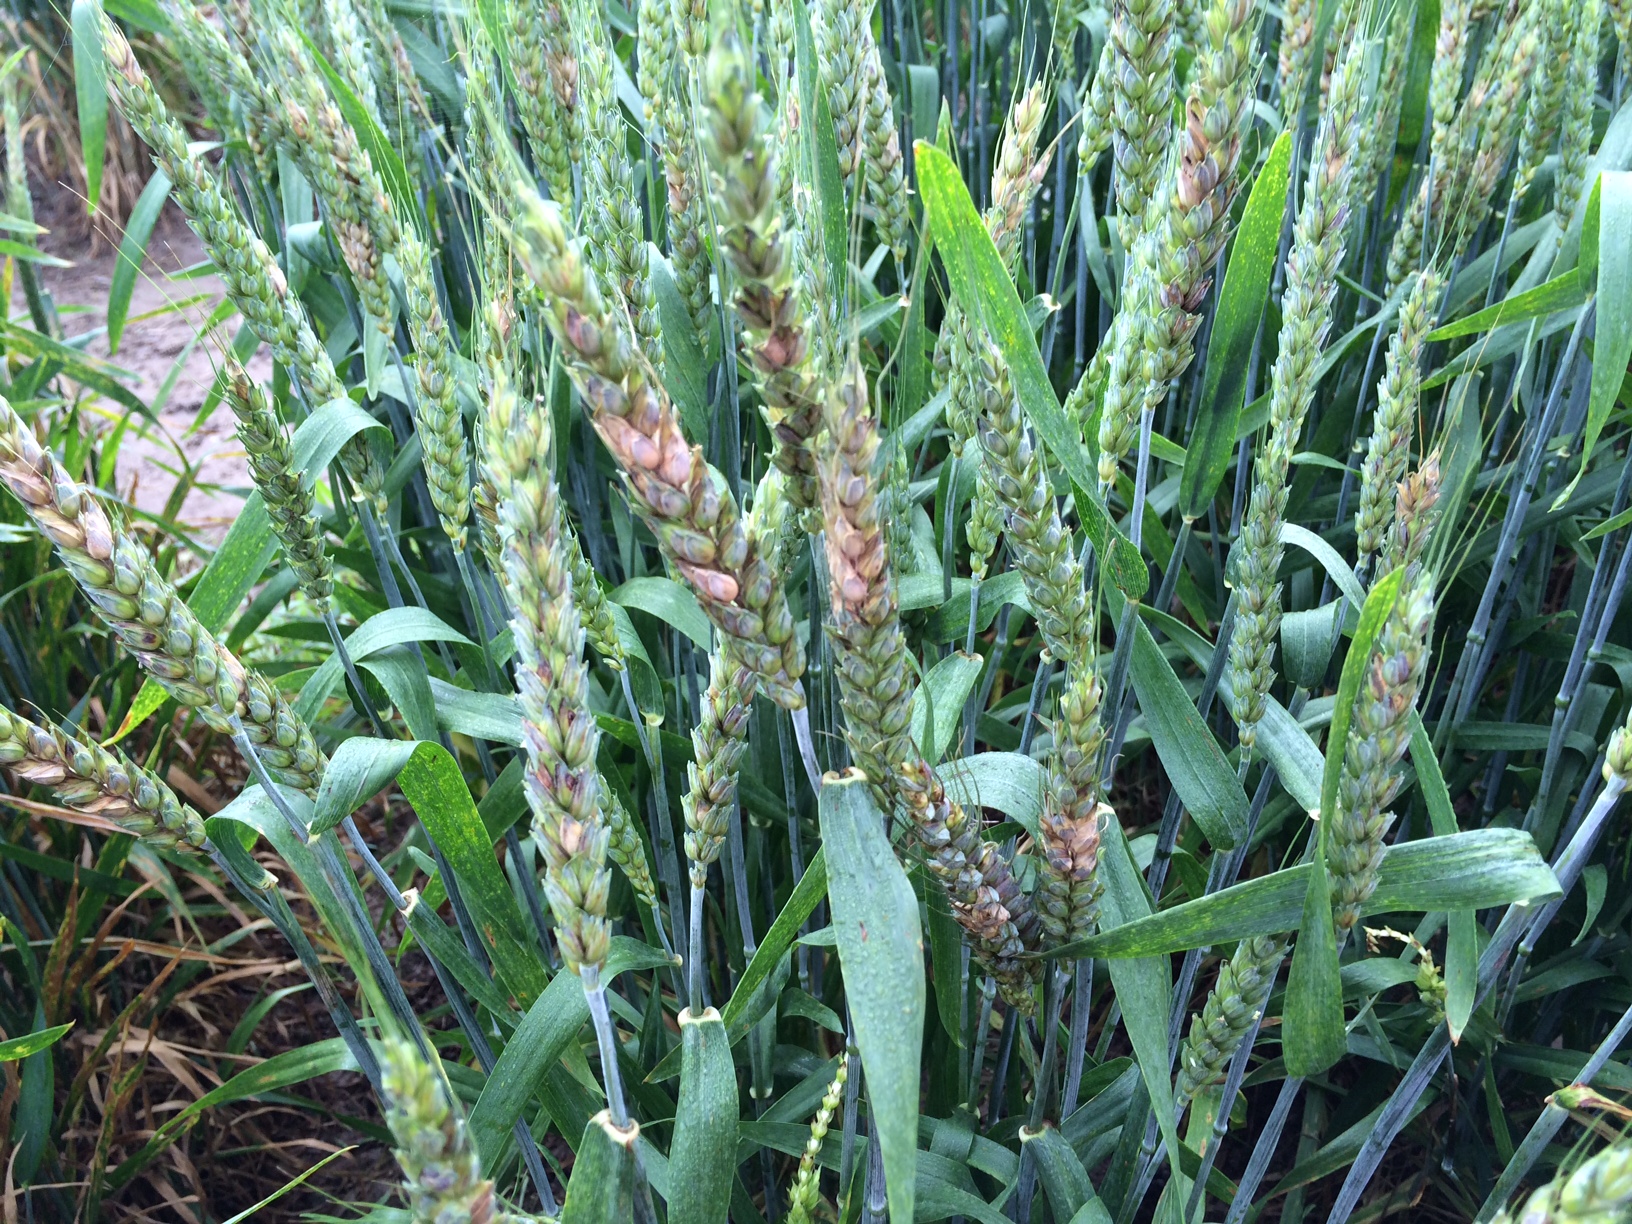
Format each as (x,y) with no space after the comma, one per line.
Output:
(163,341)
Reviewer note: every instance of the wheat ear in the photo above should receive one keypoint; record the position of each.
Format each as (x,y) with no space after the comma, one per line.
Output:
(150,620)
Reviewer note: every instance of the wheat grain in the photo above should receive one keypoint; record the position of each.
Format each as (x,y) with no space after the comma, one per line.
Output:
(442,1174)
(251,277)
(1141,99)
(439,423)
(1232,1009)
(560,735)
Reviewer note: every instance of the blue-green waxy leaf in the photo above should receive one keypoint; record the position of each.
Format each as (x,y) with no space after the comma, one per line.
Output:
(380,632)
(703,1153)
(1313,1037)
(536,1048)
(937,705)
(1211,448)
(358,770)
(555,1018)
(820,150)
(670,602)
(1064,1179)
(685,372)
(807,894)
(91,94)
(1195,764)
(1007,782)
(1142,986)
(982,284)
(1473,870)
(881,952)
(132,251)
(1561,293)
(1462,932)
(431,781)
(602,1189)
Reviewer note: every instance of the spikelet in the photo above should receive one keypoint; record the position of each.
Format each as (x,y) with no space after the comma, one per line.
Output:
(842,29)
(1416,504)
(288,501)
(1152,340)
(625,848)
(1045,554)
(218,64)
(1597,1191)
(89,779)
(776,324)
(437,418)
(1389,450)
(1297,54)
(545,70)
(1232,1007)
(1620,14)
(559,731)
(610,215)
(876,688)
(351,54)
(718,741)
(1380,137)
(1306,317)
(1501,105)
(881,144)
(250,275)
(1557,30)
(1380,730)
(682,499)
(150,620)
(355,205)
(1444,88)
(666,71)
(1096,126)
(442,1174)
(805,1196)
(984,527)
(1141,100)
(1576,128)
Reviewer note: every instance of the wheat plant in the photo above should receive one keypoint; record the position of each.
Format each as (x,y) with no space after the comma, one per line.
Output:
(888,629)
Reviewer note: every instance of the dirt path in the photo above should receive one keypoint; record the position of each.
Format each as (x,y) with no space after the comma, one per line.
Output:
(161,342)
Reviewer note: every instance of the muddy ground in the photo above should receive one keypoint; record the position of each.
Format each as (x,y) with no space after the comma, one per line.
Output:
(162,337)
